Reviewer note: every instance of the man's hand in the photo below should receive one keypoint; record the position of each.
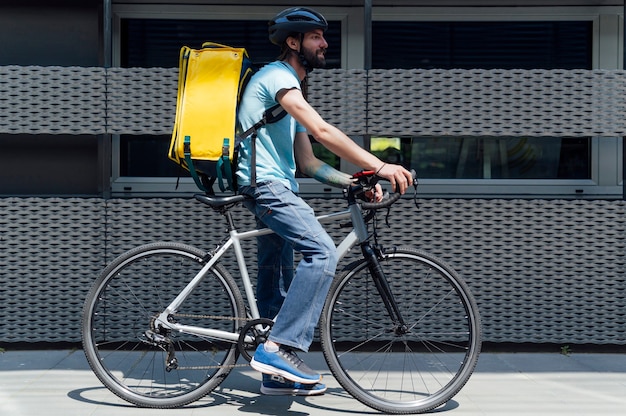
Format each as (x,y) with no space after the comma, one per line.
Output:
(376,194)
(399,177)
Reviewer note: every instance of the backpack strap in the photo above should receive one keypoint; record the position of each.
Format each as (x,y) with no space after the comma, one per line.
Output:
(271,115)
(192,169)
(224,167)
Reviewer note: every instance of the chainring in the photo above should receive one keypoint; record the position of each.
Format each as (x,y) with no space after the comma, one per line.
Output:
(259,336)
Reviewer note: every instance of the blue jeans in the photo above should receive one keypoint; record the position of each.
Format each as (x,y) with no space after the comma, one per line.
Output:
(297,297)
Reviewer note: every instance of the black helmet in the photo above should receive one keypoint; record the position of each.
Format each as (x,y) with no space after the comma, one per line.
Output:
(295,19)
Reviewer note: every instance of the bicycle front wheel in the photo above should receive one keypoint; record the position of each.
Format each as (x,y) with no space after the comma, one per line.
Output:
(401,370)
(149,365)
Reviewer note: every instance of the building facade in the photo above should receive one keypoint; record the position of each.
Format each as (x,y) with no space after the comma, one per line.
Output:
(511,112)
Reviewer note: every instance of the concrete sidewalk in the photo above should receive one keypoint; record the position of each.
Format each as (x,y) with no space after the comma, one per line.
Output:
(60,383)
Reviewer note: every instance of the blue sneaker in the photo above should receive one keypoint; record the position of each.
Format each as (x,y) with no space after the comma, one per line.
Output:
(277,386)
(285,363)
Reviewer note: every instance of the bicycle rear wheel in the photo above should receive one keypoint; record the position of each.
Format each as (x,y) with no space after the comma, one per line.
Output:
(396,371)
(151,366)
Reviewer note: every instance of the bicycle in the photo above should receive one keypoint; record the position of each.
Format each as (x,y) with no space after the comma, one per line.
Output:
(165,323)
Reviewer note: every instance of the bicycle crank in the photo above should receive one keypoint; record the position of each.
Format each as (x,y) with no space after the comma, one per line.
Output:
(258,330)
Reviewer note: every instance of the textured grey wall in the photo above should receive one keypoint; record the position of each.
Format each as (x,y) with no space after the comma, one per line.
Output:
(543,271)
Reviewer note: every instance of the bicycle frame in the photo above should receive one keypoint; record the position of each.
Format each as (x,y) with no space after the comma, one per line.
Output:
(357,235)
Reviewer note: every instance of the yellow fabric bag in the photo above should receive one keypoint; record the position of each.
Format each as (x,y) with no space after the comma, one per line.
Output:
(210,83)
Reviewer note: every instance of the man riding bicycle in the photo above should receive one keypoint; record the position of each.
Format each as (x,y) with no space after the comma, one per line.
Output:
(294,299)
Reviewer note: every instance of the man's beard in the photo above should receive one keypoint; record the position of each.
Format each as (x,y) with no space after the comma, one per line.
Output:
(314,59)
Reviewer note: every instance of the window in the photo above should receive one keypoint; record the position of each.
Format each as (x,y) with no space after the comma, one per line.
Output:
(156,42)
(489,157)
(486,45)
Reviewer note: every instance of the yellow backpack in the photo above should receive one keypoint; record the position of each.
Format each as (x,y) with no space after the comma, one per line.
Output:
(211,81)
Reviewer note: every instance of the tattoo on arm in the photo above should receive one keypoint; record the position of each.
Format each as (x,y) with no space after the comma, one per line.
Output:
(329,176)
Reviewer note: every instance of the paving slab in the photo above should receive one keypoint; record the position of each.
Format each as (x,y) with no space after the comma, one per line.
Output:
(60,383)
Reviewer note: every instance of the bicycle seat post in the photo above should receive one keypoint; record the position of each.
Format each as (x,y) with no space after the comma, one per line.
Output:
(222,204)
(225,211)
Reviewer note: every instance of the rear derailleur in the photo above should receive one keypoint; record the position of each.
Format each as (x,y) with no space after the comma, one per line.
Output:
(159,337)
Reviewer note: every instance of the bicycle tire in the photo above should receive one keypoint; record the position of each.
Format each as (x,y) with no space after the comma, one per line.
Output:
(118,311)
(401,373)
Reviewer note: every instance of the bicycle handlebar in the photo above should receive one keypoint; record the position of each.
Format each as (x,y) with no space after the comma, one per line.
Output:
(386,202)
(369,179)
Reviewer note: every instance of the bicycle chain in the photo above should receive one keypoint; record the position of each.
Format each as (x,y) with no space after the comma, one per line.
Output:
(229,318)
(211,367)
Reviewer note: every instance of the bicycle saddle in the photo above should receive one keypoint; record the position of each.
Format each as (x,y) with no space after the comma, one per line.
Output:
(219,201)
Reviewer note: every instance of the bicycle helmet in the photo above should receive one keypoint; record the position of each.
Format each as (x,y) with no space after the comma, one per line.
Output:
(295,20)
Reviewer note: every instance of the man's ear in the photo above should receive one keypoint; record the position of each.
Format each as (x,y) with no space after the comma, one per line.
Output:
(293,43)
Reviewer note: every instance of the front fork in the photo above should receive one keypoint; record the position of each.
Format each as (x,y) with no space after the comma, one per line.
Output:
(373,255)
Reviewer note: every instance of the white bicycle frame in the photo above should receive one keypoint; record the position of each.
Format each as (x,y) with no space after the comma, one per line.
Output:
(357,235)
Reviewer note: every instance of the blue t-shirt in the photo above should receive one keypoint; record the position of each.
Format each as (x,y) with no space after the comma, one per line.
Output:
(275,160)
